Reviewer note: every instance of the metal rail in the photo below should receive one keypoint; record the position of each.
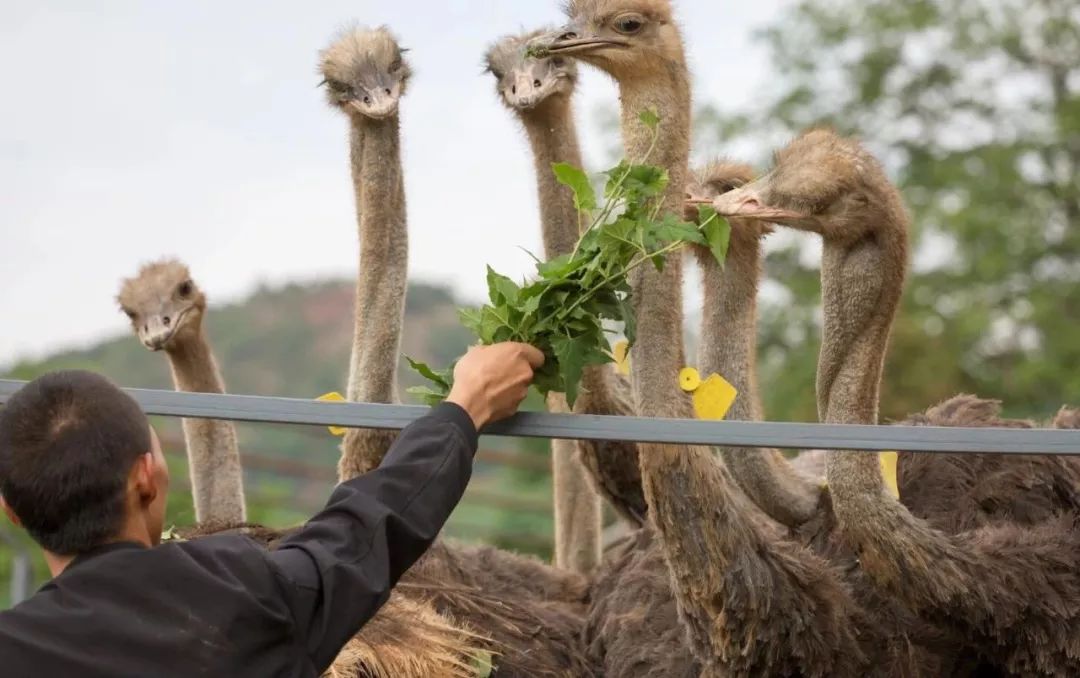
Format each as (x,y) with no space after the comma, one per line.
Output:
(20,568)
(592,427)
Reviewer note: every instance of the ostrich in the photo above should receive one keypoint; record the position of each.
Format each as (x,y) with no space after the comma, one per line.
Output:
(166,310)
(717,549)
(1011,590)
(538,92)
(365,77)
(529,613)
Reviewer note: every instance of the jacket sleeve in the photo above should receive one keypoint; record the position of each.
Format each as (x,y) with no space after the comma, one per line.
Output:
(337,571)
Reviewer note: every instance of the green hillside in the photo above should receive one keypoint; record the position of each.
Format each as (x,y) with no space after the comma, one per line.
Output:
(294,341)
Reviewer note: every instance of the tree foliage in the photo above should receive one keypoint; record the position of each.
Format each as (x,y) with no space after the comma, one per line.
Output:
(975,109)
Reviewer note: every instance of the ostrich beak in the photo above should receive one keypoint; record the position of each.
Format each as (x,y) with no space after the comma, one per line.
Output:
(745,202)
(157,333)
(380,105)
(572,40)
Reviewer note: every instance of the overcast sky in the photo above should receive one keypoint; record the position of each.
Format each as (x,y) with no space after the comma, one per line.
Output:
(132,130)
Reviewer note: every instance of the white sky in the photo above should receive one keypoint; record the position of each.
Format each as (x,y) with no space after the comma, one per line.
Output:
(195,129)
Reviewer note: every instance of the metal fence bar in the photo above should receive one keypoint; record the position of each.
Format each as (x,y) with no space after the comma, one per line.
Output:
(592,427)
(20,569)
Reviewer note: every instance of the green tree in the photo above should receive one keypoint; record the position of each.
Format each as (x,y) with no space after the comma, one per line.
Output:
(974,107)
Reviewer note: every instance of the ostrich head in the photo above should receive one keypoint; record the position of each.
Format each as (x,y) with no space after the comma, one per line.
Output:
(714,179)
(819,180)
(621,37)
(163,304)
(524,82)
(364,72)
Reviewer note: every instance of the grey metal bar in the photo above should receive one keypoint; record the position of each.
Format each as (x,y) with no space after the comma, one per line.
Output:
(590,427)
(20,569)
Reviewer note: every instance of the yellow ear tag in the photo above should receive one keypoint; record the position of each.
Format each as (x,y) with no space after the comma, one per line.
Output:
(714,398)
(621,351)
(888,471)
(689,379)
(333,397)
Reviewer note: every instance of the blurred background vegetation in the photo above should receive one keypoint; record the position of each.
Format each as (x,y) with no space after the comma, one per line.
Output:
(973,106)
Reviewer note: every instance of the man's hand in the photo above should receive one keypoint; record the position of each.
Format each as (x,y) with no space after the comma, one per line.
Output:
(491,381)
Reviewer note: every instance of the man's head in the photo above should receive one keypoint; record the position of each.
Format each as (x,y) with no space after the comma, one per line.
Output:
(79,464)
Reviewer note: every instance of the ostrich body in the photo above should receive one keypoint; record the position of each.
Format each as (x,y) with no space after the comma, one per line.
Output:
(1010,590)
(365,77)
(167,310)
(539,92)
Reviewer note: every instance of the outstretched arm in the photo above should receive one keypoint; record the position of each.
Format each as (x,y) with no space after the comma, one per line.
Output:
(338,570)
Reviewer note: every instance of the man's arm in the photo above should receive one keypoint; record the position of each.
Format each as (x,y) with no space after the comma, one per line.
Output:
(338,570)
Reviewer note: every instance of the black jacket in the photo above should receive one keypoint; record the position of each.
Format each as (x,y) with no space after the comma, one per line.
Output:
(224,606)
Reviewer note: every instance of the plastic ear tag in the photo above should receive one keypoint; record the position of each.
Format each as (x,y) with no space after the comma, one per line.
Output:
(333,397)
(714,398)
(689,379)
(621,351)
(888,471)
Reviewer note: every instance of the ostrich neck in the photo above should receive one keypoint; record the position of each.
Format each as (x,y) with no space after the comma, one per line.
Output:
(860,298)
(382,267)
(553,138)
(193,366)
(861,288)
(578,517)
(729,348)
(212,449)
(729,323)
(658,353)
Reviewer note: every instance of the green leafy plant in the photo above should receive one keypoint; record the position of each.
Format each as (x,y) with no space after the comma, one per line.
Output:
(562,312)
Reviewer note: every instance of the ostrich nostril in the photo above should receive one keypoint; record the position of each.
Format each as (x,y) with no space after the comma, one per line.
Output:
(513,89)
(536,83)
(166,320)
(387,90)
(751,202)
(568,35)
(367,100)
(145,328)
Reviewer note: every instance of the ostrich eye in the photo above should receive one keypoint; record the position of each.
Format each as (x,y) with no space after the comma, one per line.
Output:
(338,87)
(184,288)
(629,24)
(558,62)
(129,313)
(395,65)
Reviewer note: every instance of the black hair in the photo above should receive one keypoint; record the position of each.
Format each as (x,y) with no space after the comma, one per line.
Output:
(68,441)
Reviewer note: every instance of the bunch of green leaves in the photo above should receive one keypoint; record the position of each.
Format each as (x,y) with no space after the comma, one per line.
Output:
(563,311)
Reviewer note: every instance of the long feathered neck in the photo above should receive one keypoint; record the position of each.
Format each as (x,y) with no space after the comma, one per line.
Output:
(382,268)
(194,368)
(553,138)
(729,348)
(658,354)
(212,448)
(861,287)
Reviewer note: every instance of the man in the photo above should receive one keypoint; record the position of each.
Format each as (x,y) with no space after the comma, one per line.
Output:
(82,471)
